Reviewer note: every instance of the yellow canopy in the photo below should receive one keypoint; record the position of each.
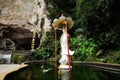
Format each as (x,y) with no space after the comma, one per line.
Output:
(60,23)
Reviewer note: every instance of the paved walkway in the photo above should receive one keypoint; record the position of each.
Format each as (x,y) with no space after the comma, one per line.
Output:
(8,68)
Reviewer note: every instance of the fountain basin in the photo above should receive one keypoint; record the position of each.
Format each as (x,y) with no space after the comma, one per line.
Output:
(47,71)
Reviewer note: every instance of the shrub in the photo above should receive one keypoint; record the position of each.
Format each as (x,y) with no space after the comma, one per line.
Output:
(46,50)
(18,58)
(83,48)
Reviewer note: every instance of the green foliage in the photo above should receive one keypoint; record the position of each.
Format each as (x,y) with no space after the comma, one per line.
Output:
(52,12)
(94,17)
(83,48)
(46,50)
(99,20)
(43,53)
(107,40)
(60,7)
(18,58)
(112,57)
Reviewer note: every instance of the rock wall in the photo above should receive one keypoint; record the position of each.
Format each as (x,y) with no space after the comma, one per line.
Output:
(18,20)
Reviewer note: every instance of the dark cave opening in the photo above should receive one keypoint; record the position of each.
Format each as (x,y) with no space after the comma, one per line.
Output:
(16,39)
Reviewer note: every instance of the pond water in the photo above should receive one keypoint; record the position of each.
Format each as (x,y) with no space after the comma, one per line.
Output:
(47,71)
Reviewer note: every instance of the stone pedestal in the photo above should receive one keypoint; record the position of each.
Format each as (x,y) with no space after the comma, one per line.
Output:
(64,67)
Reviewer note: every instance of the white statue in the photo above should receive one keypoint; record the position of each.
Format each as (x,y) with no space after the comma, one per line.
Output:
(62,24)
(64,48)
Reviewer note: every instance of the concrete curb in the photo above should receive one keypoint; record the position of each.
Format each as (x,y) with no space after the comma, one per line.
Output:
(109,67)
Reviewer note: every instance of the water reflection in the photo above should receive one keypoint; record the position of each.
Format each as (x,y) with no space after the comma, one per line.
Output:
(64,74)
